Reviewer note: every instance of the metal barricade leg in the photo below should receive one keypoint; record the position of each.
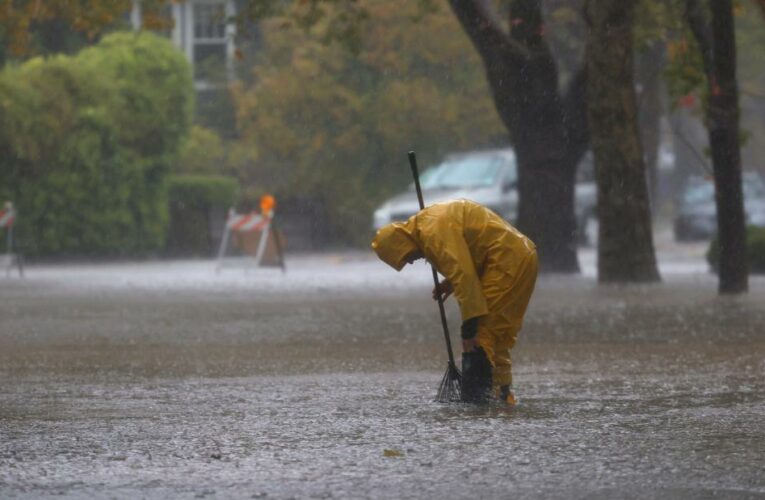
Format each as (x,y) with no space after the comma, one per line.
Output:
(262,244)
(222,248)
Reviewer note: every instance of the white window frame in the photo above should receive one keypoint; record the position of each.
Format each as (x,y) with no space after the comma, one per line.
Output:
(184,35)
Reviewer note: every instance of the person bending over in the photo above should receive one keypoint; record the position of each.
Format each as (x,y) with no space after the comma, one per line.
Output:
(489,266)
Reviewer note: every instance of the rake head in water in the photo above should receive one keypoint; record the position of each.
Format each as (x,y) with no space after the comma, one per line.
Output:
(450,390)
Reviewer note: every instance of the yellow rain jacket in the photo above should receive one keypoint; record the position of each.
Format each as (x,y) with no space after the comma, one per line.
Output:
(491,265)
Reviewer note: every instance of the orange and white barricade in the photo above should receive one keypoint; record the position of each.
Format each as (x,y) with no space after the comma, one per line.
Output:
(242,226)
(9,260)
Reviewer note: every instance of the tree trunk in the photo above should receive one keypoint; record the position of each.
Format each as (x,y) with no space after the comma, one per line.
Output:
(726,155)
(625,249)
(718,50)
(545,127)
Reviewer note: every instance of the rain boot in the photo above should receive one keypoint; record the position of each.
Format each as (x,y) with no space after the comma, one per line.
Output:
(506,395)
(476,377)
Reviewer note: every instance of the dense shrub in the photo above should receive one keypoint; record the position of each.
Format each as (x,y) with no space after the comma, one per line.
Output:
(87,142)
(203,190)
(203,152)
(755,240)
(197,203)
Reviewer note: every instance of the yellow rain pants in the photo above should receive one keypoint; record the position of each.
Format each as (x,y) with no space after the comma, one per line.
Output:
(491,265)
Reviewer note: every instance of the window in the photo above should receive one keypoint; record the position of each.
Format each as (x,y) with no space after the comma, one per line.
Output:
(210,40)
(210,22)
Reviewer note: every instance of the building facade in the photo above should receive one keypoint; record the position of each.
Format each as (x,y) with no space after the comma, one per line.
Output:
(205,31)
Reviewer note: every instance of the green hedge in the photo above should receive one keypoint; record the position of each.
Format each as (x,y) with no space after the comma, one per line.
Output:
(195,200)
(203,190)
(755,239)
(87,144)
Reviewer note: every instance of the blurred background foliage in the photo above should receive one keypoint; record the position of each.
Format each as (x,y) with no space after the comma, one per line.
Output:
(88,142)
(683,70)
(329,97)
(195,201)
(331,126)
(323,116)
(44,27)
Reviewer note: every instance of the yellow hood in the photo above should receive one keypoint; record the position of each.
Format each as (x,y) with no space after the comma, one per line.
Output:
(393,243)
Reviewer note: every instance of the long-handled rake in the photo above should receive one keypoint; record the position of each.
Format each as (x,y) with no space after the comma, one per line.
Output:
(450,389)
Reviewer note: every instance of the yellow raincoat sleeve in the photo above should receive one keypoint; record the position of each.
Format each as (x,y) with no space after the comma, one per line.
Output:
(445,247)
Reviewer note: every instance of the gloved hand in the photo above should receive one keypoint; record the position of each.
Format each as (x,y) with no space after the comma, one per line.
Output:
(470,328)
(446,290)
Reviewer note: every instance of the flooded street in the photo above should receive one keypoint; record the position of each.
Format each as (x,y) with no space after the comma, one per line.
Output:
(166,380)
(154,153)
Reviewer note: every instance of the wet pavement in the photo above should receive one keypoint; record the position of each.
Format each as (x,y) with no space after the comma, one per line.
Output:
(156,380)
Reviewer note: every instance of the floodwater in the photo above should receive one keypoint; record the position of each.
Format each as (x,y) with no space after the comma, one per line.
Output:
(159,380)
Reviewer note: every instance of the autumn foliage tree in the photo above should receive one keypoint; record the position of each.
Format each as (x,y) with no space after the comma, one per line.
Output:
(331,126)
(31,27)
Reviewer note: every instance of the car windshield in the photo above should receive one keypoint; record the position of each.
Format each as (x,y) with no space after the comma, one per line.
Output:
(697,192)
(465,172)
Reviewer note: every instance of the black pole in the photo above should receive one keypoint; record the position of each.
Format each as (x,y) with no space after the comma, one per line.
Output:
(416,175)
(278,243)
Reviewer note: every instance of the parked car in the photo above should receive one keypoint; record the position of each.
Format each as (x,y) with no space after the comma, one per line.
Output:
(488,177)
(696,217)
